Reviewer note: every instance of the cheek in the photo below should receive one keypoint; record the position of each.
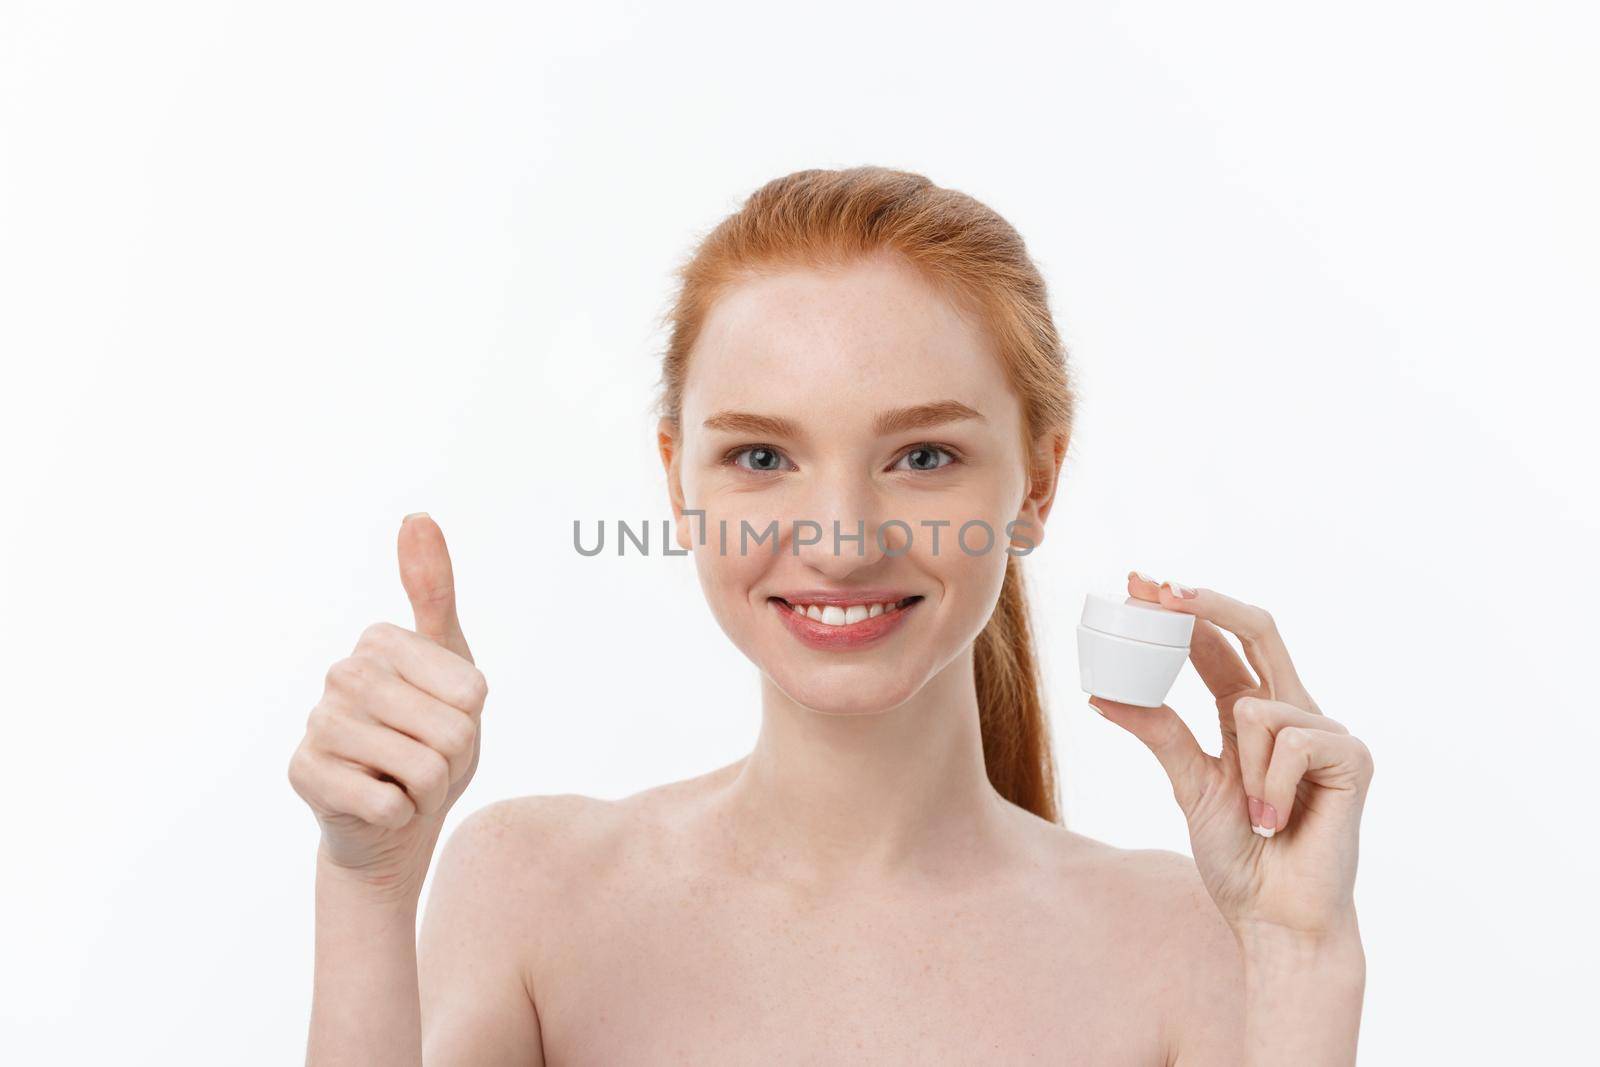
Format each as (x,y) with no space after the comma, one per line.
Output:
(971,577)
(734,538)
(971,581)
(726,581)
(982,508)
(727,574)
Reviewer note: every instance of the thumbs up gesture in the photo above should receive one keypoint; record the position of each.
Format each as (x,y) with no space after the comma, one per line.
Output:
(394,740)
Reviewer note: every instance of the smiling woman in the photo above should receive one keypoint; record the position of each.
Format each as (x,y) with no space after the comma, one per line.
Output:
(858,358)
(860,329)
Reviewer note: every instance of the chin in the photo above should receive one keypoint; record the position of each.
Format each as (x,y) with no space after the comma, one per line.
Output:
(868,687)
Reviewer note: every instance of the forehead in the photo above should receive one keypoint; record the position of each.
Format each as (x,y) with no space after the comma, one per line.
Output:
(866,336)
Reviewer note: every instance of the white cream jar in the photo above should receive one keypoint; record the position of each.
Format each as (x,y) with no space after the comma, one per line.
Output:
(1131,650)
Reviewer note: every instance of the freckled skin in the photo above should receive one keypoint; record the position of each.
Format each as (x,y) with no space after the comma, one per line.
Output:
(853,891)
(646,939)
(829,350)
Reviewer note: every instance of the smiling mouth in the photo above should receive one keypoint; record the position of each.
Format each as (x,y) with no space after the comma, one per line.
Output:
(844,615)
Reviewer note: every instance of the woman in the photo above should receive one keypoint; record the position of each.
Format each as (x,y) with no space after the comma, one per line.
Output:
(883,878)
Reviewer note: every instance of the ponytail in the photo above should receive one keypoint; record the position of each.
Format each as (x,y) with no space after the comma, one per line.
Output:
(1011,715)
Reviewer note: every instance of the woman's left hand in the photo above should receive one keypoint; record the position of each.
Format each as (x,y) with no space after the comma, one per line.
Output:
(1295,777)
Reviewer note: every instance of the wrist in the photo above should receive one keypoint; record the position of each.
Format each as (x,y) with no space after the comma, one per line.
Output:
(379,895)
(1334,950)
(1303,992)
(1340,931)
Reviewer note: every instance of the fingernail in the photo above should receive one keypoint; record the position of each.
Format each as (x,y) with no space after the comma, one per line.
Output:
(1143,577)
(414,515)
(1269,820)
(1263,831)
(1182,592)
(1097,711)
(1255,811)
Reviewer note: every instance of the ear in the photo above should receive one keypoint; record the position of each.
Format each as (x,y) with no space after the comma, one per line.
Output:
(668,445)
(1048,453)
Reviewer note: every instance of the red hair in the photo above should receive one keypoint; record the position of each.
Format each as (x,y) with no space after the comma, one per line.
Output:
(818,217)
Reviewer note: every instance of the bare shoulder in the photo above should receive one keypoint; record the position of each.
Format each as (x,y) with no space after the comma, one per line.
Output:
(1153,889)
(1163,886)
(487,924)
(503,857)
(1158,906)
(508,833)
(520,844)
(563,841)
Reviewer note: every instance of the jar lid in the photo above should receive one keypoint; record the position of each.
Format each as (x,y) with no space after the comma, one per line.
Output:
(1138,620)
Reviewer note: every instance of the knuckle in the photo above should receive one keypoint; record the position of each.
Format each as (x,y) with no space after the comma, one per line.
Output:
(432,773)
(476,687)
(457,735)
(468,687)
(345,675)
(378,635)
(391,809)
(1295,738)
(320,723)
(1259,622)
(1247,712)
(299,769)
(1363,757)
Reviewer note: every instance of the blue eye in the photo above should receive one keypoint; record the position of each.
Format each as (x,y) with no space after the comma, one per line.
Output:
(925,458)
(762,459)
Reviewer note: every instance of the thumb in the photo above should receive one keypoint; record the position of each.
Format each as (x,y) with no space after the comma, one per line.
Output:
(430,583)
(1169,737)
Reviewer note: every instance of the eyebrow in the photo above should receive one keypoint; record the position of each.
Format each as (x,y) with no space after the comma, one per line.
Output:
(899,420)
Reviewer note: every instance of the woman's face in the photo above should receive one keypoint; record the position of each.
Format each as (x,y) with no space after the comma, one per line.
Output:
(858,396)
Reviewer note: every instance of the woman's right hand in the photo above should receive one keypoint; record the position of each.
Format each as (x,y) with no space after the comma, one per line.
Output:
(394,740)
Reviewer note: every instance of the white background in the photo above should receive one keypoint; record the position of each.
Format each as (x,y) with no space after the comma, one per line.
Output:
(272,275)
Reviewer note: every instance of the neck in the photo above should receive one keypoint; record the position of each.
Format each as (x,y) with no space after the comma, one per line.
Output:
(824,798)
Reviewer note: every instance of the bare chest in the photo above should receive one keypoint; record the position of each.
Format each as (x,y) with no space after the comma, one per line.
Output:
(707,975)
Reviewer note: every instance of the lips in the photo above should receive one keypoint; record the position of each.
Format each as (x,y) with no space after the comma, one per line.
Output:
(846,622)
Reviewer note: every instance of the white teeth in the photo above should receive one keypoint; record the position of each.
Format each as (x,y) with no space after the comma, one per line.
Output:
(837,615)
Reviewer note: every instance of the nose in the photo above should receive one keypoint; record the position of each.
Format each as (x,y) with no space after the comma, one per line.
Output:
(836,531)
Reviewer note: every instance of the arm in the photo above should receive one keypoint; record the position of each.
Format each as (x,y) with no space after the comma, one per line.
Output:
(1256,996)
(1273,823)
(1302,997)
(477,1005)
(364,990)
(468,1005)
(388,749)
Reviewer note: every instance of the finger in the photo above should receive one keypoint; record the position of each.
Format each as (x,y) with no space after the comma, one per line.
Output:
(428,666)
(1258,723)
(1144,587)
(430,582)
(1214,658)
(1218,665)
(1257,633)
(1166,735)
(1330,760)
(334,786)
(423,773)
(391,702)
